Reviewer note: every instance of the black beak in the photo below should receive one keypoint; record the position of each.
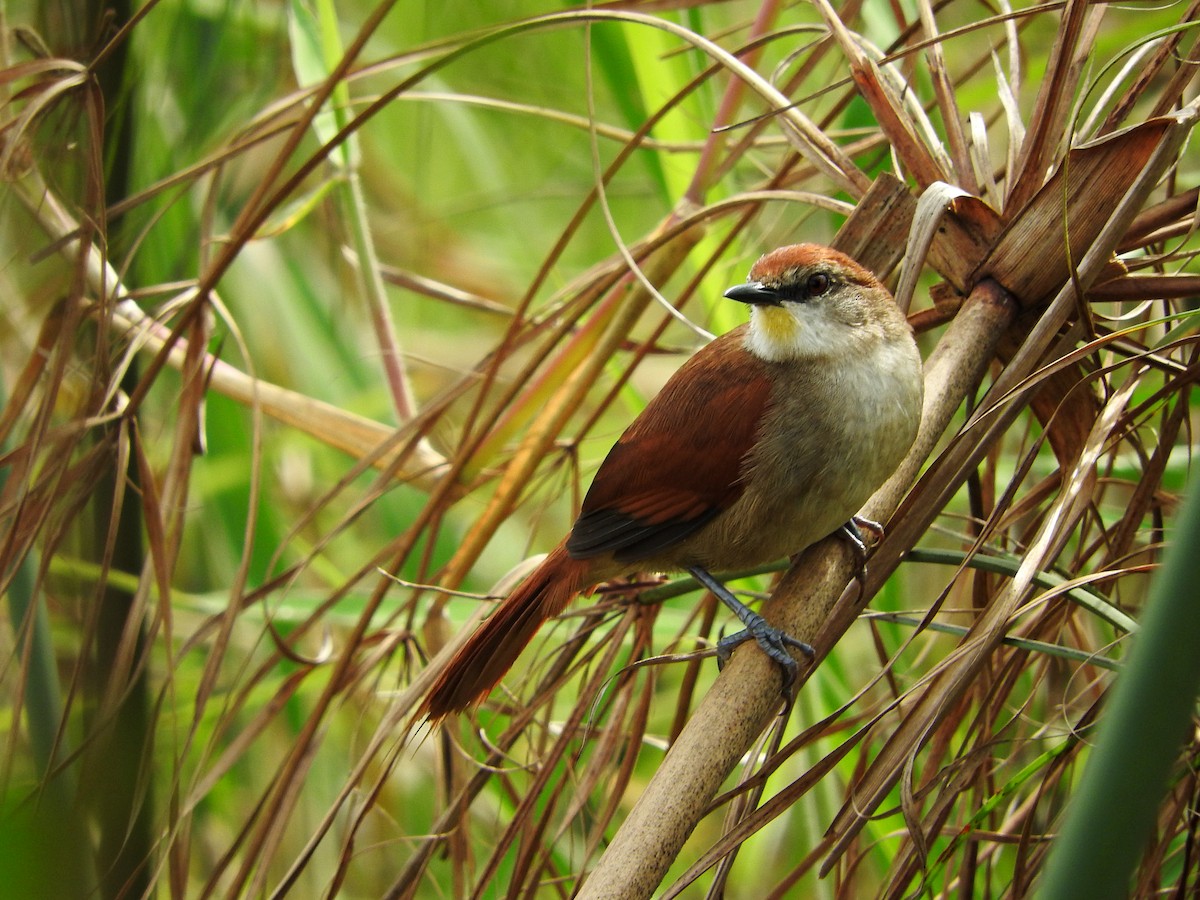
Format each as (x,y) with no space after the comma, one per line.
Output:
(754,293)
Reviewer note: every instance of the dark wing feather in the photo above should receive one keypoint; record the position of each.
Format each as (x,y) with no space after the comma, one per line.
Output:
(643,500)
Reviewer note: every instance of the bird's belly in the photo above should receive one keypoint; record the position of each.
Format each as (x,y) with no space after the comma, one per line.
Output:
(815,475)
(761,528)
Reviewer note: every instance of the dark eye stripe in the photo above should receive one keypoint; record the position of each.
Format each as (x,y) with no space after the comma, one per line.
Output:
(802,288)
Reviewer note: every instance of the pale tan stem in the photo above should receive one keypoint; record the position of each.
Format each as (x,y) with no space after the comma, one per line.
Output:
(356,435)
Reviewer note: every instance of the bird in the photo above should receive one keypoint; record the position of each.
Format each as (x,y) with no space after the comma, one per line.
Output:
(766,440)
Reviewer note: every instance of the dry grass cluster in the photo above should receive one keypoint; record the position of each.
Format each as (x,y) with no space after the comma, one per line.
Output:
(318,316)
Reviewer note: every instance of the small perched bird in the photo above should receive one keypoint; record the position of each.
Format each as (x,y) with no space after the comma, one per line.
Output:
(765,441)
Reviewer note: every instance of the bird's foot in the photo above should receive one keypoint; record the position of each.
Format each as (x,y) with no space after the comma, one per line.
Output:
(852,531)
(773,641)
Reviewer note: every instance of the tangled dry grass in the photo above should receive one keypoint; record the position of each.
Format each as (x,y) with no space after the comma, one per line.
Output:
(211,661)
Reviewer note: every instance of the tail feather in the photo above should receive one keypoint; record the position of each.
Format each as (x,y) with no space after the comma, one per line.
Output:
(491,651)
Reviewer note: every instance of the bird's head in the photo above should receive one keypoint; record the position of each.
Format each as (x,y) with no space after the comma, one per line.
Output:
(808,301)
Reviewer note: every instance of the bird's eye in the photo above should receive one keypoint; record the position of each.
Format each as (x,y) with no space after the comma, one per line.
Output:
(817,284)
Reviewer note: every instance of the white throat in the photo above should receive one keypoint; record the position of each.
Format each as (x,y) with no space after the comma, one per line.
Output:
(782,333)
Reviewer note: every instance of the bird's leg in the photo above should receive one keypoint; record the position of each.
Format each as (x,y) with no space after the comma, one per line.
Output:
(852,531)
(773,642)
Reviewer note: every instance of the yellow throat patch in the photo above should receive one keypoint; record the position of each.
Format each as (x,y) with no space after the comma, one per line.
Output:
(778,327)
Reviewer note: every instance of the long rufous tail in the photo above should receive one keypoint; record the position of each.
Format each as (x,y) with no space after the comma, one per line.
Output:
(494,647)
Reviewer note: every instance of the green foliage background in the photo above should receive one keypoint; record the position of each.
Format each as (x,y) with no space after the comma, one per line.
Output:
(475,187)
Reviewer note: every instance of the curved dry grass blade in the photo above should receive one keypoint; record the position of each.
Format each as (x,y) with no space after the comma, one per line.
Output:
(943,88)
(339,428)
(1166,51)
(918,158)
(981,157)
(1049,121)
(1116,88)
(1172,97)
(934,202)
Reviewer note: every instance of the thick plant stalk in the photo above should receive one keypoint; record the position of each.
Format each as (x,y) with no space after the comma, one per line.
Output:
(745,697)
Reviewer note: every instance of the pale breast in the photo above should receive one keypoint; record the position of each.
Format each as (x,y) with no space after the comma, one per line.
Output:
(835,432)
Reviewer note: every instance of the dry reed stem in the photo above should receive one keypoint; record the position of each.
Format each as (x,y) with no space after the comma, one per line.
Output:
(341,429)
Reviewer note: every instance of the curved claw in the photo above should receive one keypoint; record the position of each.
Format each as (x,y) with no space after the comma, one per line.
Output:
(773,641)
(852,531)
